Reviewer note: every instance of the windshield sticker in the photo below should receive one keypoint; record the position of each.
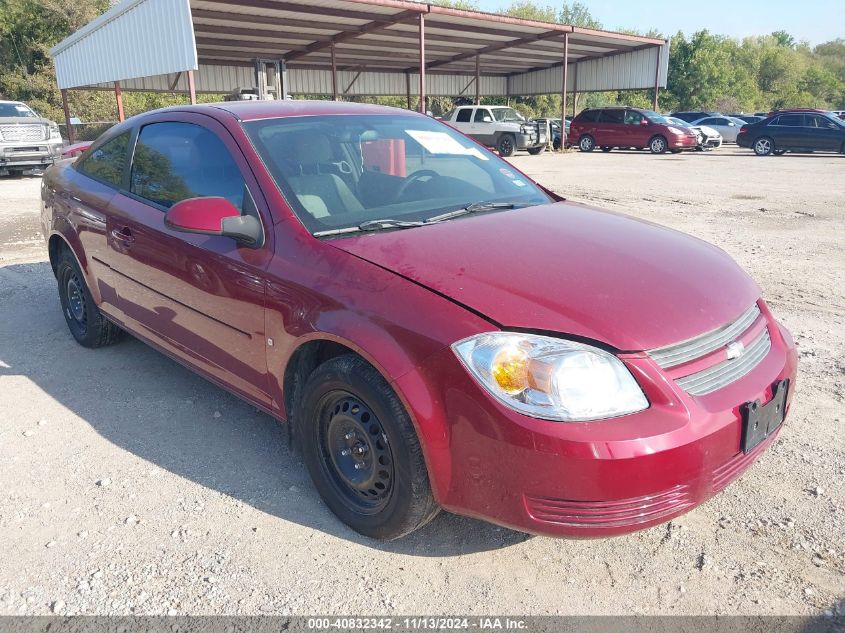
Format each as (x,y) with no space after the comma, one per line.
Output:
(507,173)
(442,143)
(519,183)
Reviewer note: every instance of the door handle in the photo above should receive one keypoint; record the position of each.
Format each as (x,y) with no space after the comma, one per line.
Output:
(124,236)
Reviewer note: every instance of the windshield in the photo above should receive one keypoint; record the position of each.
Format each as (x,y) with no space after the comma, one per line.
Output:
(676,121)
(16,110)
(343,171)
(654,117)
(506,114)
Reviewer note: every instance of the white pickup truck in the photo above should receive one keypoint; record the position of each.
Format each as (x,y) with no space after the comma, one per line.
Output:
(499,127)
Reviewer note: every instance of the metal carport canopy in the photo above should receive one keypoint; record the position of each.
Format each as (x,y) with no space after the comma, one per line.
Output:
(349,47)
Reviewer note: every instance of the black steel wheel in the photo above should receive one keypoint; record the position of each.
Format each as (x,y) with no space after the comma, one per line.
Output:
(506,145)
(84,320)
(355,452)
(362,451)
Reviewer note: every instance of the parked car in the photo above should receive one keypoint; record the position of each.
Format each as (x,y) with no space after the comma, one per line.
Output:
(628,127)
(554,126)
(27,141)
(727,126)
(689,117)
(840,114)
(499,127)
(798,131)
(708,138)
(437,329)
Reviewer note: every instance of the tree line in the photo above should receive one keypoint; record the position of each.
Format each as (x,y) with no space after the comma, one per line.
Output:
(706,71)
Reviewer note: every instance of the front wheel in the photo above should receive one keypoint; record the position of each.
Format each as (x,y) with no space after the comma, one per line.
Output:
(657,145)
(764,146)
(538,150)
(84,320)
(587,143)
(362,451)
(506,145)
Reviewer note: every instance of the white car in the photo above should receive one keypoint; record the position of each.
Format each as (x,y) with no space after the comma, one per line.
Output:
(727,126)
(708,138)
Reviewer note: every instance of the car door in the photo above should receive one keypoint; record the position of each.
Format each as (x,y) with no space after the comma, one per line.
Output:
(610,129)
(788,131)
(826,135)
(200,297)
(463,121)
(637,130)
(484,127)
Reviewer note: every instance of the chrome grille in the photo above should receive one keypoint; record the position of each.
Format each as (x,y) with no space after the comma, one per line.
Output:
(717,376)
(679,353)
(24,132)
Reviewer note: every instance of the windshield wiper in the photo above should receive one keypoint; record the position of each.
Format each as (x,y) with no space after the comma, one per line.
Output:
(373,225)
(392,223)
(475,207)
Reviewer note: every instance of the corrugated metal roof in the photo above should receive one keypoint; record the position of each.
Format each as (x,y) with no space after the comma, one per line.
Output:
(140,38)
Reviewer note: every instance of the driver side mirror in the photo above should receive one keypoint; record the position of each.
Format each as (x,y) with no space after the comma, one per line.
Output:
(213,216)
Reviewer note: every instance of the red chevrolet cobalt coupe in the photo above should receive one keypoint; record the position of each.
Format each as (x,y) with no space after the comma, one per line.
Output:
(438,330)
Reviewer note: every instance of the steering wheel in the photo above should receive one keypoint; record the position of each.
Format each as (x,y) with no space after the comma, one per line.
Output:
(410,180)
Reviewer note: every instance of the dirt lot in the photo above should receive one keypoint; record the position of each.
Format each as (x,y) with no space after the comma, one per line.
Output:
(130,485)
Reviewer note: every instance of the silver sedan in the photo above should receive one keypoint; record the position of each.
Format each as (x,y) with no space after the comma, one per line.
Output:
(727,126)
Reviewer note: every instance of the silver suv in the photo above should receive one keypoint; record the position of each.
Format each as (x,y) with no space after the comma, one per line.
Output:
(27,141)
(499,127)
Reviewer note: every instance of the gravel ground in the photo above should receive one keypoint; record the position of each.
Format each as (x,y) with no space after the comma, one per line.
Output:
(128,485)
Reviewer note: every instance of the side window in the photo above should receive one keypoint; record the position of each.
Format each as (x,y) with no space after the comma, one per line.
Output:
(482,115)
(589,116)
(820,122)
(791,120)
(613,116)
(175,161)
(633,117)
(107,162)
(464,115)
(710,121)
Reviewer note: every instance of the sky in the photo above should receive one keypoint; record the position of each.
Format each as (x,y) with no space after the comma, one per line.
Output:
(816,21)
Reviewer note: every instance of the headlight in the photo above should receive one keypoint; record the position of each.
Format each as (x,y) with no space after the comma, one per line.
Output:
(55,134)
(678,131)
(551,378)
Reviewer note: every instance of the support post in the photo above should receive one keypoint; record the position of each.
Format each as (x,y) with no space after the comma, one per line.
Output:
(422,63)
(283,80)
(477,80)
(334,74)
(564,78)
(71,134)
(192,88)
(574,89)
(657,78)
(408,87)
(118,95)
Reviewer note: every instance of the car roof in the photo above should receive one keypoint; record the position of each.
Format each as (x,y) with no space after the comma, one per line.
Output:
(256,110)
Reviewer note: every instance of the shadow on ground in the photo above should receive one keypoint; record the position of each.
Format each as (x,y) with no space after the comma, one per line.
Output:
(156,409)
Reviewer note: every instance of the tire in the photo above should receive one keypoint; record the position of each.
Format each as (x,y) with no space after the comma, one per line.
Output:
(375,481)
(537,150)
(84,320)
(606,149)
(587,143)
(506,145)
(657,145)
(764,146)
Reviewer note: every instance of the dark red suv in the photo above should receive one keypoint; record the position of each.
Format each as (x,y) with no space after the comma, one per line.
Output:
(628,127)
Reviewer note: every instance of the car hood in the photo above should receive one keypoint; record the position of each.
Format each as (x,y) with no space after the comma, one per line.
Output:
(570,269)
(28,120)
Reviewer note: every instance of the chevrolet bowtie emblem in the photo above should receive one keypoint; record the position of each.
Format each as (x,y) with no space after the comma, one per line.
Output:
(735,349)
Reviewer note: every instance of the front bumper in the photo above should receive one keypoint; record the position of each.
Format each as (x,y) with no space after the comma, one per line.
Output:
(527,141)
(28,155)
(683,142)
(590,479)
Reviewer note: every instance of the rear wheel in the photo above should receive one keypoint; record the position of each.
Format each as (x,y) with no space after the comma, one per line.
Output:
(84,320)
(657,145)
(506,145)
(537,150)
(587,143)
(764,146)
(362,451)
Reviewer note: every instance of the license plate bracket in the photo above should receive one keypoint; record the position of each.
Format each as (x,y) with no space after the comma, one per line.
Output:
(761,420)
